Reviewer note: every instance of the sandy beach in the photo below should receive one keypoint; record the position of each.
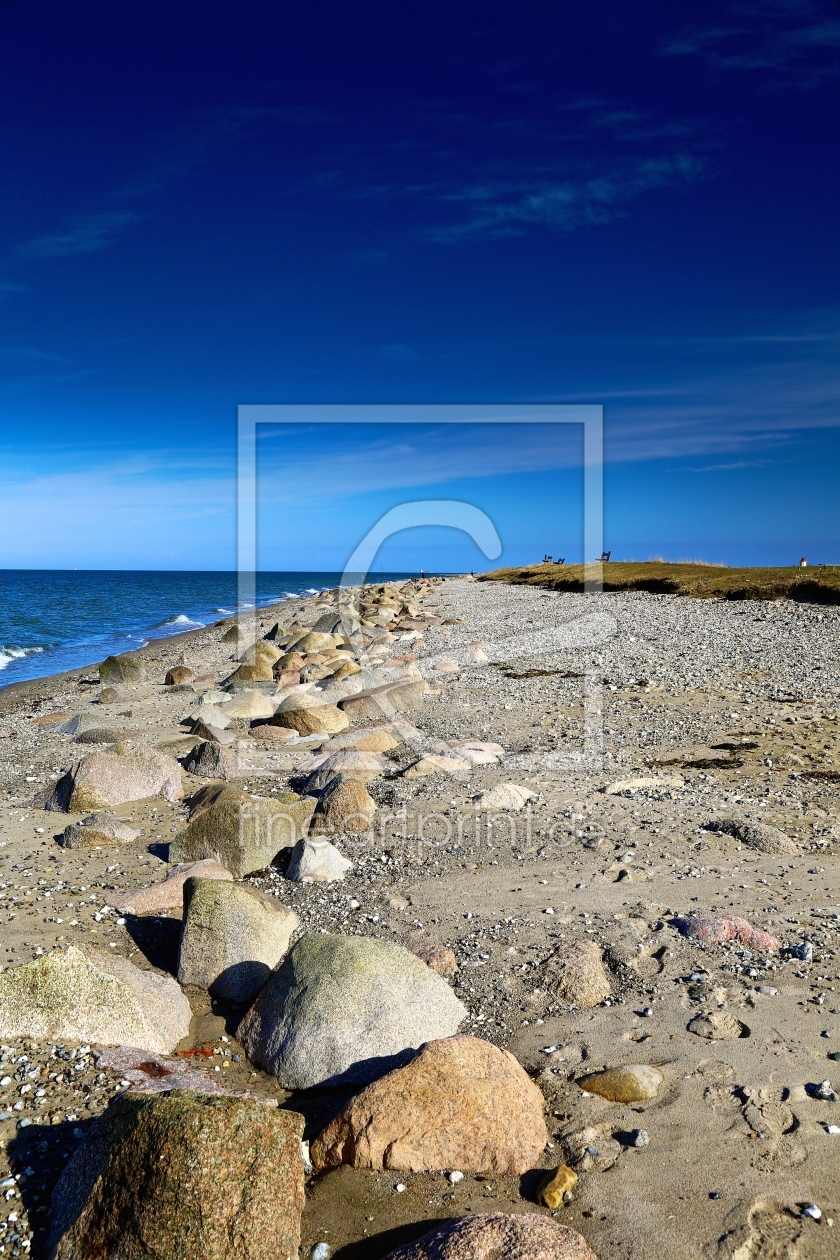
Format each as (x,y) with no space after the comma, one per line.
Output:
(644,731)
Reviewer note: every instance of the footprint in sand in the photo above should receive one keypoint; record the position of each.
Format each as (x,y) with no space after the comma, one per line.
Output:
(719,1026)
(649,963)
(771,1232)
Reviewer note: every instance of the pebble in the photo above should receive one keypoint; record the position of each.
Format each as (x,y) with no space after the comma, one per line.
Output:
(639,1137)
(813,1212)
(455,1177)
(634,1082)
(556,1187)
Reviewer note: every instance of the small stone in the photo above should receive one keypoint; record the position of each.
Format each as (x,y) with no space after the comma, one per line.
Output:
(438,957)
(644,781)
(436,763)
(74,995)
(178,675)
(211,760)
(309,715)
(454,1177)
(711,929)
(639,1137)
(575,974)
(804,952)
(127,668)
(104,779)
(242,832)
(635,1082)
(509,796)
(314,860)
(812,1212)
(554,1187)
(249,706)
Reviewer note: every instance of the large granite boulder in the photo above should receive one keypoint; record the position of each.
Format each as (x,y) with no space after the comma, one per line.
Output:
(498,1237)
(344,806)
(167,894)
(249,706)
(178,675)
(126,668)
(345,1009)
(391,697)
(461,1103)
(350,762)
(233,938)
(83,995)
(98,830)
(212,759)
(244,833)
(759,836)
(308,714)
(103,779)
(257,671)
(187,1175)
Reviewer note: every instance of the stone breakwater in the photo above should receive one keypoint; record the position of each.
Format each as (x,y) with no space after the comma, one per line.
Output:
(473,917)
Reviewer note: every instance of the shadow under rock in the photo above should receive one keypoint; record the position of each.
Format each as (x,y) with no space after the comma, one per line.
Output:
(380,1245)
(45,1149)
(529,1183)
(157,939)
(318,1107)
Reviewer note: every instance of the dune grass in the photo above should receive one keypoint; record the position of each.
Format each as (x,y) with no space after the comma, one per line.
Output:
(700,581)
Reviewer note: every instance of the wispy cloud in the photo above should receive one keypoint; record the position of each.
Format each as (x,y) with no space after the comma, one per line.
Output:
(32,352)
(562,205)
(581,164)
(797,40)
(85,236)
(197,139)
(399,352)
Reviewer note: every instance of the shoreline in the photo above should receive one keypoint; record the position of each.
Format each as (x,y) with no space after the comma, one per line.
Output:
(97,654)
(702,719)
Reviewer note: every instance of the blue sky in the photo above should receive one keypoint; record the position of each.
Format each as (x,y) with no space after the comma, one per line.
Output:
(627,205)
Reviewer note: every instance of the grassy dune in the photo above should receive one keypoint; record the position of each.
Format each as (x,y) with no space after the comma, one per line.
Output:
(701,581)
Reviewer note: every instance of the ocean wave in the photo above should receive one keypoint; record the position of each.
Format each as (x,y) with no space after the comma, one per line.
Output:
(228,612)
(9,654)
(183,620)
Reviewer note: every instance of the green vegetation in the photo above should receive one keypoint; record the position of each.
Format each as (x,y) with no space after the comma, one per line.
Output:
(701,581)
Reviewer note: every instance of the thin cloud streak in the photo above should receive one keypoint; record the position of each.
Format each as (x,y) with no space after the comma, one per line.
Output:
(793,38)
(86,236)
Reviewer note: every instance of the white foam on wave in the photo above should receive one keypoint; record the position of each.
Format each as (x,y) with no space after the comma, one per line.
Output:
(227,611)
(9,654)
(183,620)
